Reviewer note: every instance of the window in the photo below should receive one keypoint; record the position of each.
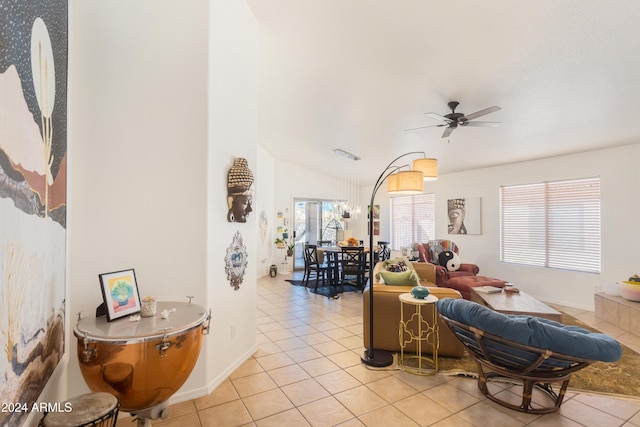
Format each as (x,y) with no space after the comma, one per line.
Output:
(552,224)
(412,220)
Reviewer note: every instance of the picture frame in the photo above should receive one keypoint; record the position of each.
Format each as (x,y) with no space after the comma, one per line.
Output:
(376,212)
(465,215)
(120,293)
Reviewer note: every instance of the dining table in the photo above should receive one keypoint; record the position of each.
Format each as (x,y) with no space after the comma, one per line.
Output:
(333,257)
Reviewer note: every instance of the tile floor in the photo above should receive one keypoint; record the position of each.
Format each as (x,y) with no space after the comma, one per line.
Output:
(307,372)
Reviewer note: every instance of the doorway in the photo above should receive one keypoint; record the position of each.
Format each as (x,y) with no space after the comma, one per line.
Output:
(314,220)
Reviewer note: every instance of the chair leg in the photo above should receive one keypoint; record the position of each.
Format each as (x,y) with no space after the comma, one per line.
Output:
(528,386)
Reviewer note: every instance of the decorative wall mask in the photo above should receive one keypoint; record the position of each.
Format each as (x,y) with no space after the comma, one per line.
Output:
(239,191)
(236,261)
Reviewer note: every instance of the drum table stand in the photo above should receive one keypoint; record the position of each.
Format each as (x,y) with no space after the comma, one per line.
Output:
(145,416)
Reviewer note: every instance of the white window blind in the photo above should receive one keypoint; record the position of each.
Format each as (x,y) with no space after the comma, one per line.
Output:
(412,220)
(552,224)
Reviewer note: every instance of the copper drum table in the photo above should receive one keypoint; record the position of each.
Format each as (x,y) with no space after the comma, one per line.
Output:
(144,362)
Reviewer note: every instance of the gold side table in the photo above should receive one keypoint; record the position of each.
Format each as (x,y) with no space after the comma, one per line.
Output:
(420,330)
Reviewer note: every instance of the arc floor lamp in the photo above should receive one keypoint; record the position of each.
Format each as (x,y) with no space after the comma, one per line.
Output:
(400,182)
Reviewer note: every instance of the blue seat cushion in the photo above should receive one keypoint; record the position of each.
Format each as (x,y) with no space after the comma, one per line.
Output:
(533,331)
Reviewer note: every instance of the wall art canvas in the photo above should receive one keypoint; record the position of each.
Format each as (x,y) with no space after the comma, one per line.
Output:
(33,197)
(376,211)
(464,216)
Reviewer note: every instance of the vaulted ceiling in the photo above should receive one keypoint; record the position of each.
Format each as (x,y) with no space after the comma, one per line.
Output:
(354,74)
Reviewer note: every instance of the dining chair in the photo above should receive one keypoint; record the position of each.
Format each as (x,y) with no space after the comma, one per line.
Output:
(353,263)
(312,266)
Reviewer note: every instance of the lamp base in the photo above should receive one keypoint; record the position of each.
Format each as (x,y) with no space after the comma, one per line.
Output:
(377,358)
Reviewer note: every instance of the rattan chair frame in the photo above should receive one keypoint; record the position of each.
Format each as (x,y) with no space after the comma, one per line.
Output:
(498,359)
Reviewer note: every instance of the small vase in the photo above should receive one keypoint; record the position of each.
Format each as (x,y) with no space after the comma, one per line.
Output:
(420,292)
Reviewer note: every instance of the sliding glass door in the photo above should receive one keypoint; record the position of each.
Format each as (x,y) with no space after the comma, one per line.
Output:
(314,220)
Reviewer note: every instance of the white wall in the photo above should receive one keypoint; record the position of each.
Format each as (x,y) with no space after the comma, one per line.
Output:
(264,202)
(164,98)
(620,180)
(233,108)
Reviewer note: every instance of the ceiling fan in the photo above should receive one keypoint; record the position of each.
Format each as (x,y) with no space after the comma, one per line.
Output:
(453,119)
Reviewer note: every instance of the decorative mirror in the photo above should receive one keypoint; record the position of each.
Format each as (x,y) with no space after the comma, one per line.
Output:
(236,261)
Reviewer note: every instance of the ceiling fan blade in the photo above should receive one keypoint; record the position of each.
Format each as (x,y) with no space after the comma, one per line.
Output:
(480,124)
(482,112)
(424,127)
(439,117)
(447,132)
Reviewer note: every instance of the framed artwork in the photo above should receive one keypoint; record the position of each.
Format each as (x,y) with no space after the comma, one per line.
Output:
(376,212)
(464,216)
(376,228)
(120,293)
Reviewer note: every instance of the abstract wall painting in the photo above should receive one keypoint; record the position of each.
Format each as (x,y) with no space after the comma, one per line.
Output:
(33,197)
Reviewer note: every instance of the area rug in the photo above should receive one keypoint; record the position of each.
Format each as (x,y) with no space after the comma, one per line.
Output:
(332,292)
(617,378)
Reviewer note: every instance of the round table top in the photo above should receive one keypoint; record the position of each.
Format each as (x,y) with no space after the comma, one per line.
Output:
(410,299)
(185,316)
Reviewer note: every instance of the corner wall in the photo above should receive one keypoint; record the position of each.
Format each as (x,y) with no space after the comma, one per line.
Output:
(164,98)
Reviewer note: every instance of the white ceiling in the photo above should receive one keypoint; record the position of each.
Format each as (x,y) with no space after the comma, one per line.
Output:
(354,74)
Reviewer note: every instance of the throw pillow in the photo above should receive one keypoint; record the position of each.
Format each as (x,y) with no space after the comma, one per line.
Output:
(398,268)
(406,278)
(398,260)
(449,260)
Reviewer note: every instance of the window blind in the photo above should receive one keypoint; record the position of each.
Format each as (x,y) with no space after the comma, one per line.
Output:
(412,220)
(552,224)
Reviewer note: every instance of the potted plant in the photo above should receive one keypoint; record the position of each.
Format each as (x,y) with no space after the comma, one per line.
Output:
(290,247)
(279,243)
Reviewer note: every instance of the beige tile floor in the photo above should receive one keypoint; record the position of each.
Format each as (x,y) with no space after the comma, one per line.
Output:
(307,372)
